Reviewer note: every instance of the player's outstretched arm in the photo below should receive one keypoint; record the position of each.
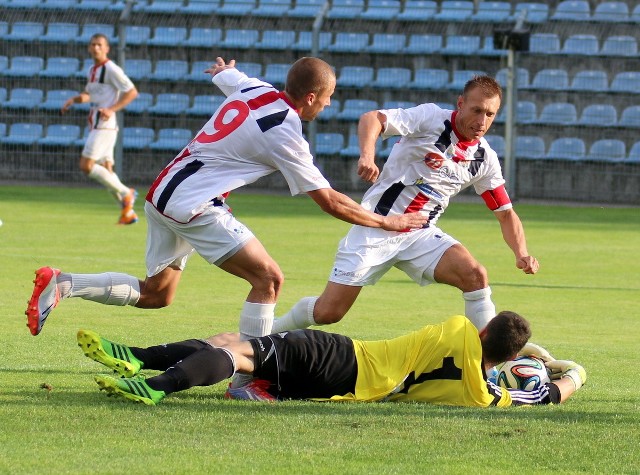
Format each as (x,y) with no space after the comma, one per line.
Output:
(220,65)
(513,234)
(369,128)
(569,376)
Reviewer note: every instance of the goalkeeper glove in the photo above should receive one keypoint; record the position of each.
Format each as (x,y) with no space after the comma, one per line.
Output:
(561,368)
(531,349)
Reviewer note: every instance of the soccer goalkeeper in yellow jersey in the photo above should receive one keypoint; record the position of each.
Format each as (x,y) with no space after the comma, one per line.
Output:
(439,364)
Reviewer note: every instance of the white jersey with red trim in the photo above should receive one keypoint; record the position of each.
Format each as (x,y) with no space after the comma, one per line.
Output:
(255,132)
(431,164)
(105,83)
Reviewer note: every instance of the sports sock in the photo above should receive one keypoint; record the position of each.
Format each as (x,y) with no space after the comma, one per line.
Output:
(256,319)
(300,316)
(161,357)
(478,307)
(205,367)
(109,180)
(109,288)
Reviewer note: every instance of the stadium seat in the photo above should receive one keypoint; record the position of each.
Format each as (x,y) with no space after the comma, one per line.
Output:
(590,80)
(61,32)
(619,46)
(558,113)
(205,105)
(253,70)
(305,41)
(446,106)
(94,5)
(460,78)
(61,135)
(634,153)
(276,39)
(398,105)
(496,142)
(137,34)
(391,78)
(522,77)
(354,108)
(492,12)
(567,148)
(83,72)
(461,45)
(630,117)
(418,10)
(331,111)
(386,146)
(389,43)
(599,115)
(200,7)
(138,69)
(581,45)
(544,43)
(355,76)
(57,4)
(141,103)
(90,29)
(607,150)
(55,98)
(385,10)
(536,12)
(137,138)
(454,11)
(276,74)
(203,38)
(526,113)
(329,143)
(161,6)
(82,140)
(22,133)
(572,10)
(170,104)
(489,49)
(349,42)
(236,7)
(611,11)
(305,9)
(4,29)
(551,79)
(25,66)
(197,72)
(345,9)
(23,4)
(272,8)
(61,67)
(25,31)
(628,81)
(352,148)
(3,130)
(240,39)
(170,70)
(425,78)
(171,139)
(168,36)
(3,95)
(635,14)
(529,147)
(24,98)
(424,44)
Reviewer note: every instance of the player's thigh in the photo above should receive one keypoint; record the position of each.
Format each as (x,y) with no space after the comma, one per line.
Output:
(159,290)
(253,263)
(100,144)
(420,256)
(459,268)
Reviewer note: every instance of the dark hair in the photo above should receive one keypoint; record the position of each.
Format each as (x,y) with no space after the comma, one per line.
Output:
(505,335)
(489,86)
(308,75)
(99,35)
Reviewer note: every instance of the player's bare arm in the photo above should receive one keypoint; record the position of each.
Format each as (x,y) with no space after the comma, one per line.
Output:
(370,126)
(513,234)
(220,65)
(124,100)
(79,99)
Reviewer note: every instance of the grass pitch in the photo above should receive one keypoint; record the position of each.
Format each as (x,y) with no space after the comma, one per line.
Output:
(583,305)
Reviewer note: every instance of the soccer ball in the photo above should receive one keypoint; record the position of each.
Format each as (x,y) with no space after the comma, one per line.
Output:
(525,372)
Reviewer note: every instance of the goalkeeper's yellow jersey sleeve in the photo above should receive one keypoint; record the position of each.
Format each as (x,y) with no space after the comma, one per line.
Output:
(439,364)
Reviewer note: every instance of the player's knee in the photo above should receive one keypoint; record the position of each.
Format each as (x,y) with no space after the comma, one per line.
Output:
(475,277)
(154,300)
(326,315)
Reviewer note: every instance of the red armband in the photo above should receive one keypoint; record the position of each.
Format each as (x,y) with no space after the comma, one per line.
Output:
(497,198)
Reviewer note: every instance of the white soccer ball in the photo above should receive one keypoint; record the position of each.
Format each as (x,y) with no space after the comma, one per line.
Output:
(525,372)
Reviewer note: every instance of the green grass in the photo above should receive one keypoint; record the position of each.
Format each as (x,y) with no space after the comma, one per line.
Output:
(583,305)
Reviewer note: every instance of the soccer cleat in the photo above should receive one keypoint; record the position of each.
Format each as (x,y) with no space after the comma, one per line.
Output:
(113,355)
(129,217)
(129,199)
(134,389)
(44,298)
(256,390)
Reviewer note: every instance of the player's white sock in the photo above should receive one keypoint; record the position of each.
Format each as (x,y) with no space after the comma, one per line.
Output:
(107,179)
(109,288)
(478,307)
(300,316)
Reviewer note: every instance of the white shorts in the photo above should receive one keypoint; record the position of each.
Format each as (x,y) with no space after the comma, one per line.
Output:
(215,235)
(366,254)
(100,144)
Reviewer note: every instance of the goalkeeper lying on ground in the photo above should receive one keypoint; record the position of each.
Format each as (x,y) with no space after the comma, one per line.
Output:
(439,364)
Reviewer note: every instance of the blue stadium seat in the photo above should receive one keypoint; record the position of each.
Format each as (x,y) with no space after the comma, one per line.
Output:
(354,108)
(168,36)
(3,130)
(24,98)
(304,41)
(424,44)
(572,10)
(390,43)
(391,78)
(203,38)
(385,10)
(82,140)
(426,78)
(461,45)
(90,29)
(355,76)
(489,49)
(61,32)
(140,104)
(55,98)
(83,72)
(537,12)
(607,150)
(461,76)
(567,148)
(526,112)
(240,39)
(137,138)
(94,5)
(551,79)
(171,139)
(276,74)
(25,31)
(590,80)
(634,153)
(583,44)
(352,149)
(253,70)
(305,8)
(398,105)
(387,145)
(558,113)
(622,45)
(25,66)
(349,42)
(61,135)
(529,147)
(418,10)
(627,81)
(138,69)
(4,29)
(635,14)
(170,70)
(446,106)
(197,72)
(23,4)
(236,7)
(522,79)
(331,111)
(630,117)
(137,34)
(272,8)
(544,43)
(345,9)
(170,104)
(205,105)
(611,11)
(22,133)
(492,12)
(200,7)
(454,11)
(276,39)
(161,6)
(599,115)
(329,143)
(3,95)
(61,67)
(496,142)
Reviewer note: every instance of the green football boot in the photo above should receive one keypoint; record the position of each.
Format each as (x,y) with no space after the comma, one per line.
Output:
(113,355)
(134,389)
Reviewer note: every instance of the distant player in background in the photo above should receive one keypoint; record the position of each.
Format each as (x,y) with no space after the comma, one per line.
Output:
(440,153)
(439,364)
(109,90)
